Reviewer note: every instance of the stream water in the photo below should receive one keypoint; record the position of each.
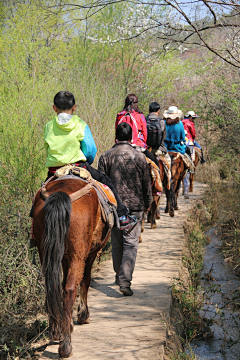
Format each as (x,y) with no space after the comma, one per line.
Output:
(221,287)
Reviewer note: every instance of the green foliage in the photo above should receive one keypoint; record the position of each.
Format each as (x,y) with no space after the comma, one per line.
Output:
(215,97)
(41,54)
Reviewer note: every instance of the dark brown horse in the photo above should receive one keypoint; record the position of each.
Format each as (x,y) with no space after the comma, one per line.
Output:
(68,236)
(154,212)
(178,169)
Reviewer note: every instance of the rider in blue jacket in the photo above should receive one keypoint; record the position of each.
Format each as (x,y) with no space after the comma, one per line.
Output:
(175,139)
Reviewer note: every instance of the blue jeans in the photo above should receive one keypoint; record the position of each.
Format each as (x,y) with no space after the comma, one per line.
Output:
(197,145)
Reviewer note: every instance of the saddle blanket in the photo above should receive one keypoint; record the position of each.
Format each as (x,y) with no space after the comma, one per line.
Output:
(157,186)
(186,159)
(107,201)
(85,174)
(198,152)
(167,170)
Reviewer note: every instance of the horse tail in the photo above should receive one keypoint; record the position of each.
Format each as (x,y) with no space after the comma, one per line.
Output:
(57,223)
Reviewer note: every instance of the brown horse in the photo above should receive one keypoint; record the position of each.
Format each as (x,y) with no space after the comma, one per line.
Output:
(68,236)
(178,169)
(154,212)
(192,175)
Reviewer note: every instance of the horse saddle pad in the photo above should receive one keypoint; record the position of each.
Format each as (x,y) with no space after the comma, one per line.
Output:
(155,175)
(198,152)
(185,158)
(167,170)
(106,198)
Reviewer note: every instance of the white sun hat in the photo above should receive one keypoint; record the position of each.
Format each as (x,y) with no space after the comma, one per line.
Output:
(192,114)
(172,112)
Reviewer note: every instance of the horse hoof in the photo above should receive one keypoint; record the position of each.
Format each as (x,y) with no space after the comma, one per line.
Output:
(65,349)
(83,317)
(190,190)
(166,211)
(140,239)
(153,226)
(158,217)
(176,208)
(171,213)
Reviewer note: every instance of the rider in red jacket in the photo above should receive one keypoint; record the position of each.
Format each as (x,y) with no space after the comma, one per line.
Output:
(132,115)
(188,123)
(189,127)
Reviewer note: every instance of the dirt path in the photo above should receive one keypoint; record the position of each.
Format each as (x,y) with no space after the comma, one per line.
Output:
(127,328)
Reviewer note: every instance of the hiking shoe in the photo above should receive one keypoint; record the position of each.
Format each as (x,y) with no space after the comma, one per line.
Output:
(128,222)
(126,291)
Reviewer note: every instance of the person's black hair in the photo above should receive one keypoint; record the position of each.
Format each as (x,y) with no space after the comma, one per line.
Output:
(154,107)
(124,132)
(64,100)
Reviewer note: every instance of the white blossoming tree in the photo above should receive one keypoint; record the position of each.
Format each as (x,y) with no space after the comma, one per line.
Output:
(211,24)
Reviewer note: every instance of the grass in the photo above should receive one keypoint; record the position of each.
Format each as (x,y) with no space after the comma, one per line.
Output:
(186,291)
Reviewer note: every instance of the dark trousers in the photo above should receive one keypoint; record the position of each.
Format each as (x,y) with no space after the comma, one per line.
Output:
(188,151)
(124,250)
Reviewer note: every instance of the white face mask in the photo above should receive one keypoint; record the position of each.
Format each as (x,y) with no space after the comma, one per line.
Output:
(64,118)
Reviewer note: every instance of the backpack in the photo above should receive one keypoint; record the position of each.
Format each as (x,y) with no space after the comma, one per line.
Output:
(129,119)
(154,133)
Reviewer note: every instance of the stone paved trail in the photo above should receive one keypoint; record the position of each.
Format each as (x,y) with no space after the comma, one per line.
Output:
(132,328)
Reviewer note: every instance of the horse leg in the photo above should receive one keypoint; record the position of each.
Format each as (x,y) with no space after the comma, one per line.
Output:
(191,182)
(158,210)
(172,199)
(149,216)
(167,201)
(142,230)
(152,218)
(176,207)
(183,187)
(154,207)
(83,313)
